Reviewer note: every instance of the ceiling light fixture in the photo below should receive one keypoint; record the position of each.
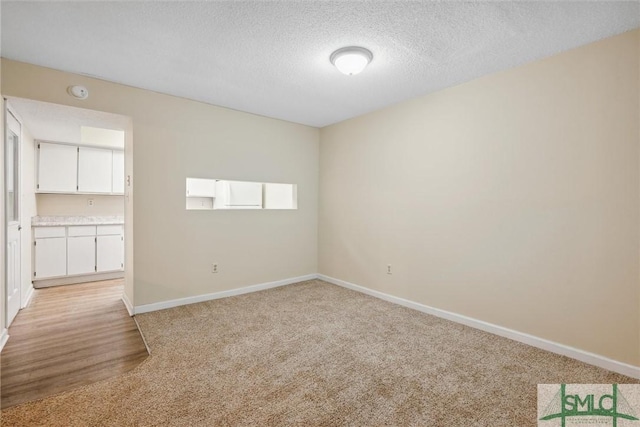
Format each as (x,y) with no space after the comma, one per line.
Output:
(351,60)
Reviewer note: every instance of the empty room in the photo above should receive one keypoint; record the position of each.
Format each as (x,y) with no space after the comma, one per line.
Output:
(320,213)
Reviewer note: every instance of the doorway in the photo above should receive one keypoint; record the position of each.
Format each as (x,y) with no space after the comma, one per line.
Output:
(66,191)
(45,145)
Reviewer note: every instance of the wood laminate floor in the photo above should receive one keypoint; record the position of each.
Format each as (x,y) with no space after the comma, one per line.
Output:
(67,337)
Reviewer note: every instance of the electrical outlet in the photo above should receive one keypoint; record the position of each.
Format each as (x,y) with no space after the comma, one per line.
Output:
(89,202)
(214,268)
(389,269)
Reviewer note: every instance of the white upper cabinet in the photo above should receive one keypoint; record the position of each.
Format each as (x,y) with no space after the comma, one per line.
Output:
(118,172)
(208,194)
(245,194)
(95,169)
(238,195)
(78,169)
(57,168)
(198,187)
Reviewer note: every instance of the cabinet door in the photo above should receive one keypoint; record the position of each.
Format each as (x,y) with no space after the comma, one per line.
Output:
(50,257)
(57,168)
(94,170)
(110,253)
(198,187)
(118,172)
(245,195)
(81,255)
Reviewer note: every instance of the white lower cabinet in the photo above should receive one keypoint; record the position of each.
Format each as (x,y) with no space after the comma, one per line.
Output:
(50,257)
(81,255)
(77,250)
(109,253)
(81,249)
(109,248)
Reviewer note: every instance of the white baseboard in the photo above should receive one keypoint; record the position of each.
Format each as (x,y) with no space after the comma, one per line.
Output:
(4,337)
(554,347)
(128,304)
(145,308)
(27,299)
(72,280)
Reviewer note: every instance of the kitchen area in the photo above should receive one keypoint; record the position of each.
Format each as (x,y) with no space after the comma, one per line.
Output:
(78,248)
(69,195)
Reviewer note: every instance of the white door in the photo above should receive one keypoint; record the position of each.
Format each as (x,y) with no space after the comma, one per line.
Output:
(118,172)
(57,168)
(12,201)
(109,253)
(94,170)
(50,258)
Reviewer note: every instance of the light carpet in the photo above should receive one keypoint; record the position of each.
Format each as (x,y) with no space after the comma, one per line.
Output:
(314,354)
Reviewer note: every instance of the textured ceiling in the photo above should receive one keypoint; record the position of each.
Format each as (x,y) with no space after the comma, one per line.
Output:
(272,57)
(53,122)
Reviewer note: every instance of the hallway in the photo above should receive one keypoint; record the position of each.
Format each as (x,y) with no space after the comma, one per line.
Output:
(67,337)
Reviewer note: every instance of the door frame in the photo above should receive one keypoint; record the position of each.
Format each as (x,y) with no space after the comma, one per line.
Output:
(17,166)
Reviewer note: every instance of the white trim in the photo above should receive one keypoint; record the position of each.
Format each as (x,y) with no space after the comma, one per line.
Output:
(81,278)
(4,337)
(128,304)
(106,147)
(144,340)
(27,299)
(554,347)
(145,308)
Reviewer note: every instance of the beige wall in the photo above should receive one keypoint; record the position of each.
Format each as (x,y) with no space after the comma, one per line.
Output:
(102,137)
(513,199)
(174,138)
(76,204)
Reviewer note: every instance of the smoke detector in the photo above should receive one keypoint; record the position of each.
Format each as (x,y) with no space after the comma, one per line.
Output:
(78,92)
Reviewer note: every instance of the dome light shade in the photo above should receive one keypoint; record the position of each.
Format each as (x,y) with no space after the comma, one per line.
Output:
(351,60)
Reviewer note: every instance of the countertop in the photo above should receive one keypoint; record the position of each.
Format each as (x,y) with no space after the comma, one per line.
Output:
(52,221)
